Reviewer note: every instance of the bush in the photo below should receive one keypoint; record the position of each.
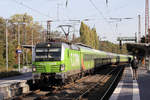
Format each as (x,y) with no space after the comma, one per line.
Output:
(9,74)
(15,66)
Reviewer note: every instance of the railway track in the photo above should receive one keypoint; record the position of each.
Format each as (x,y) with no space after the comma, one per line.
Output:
(98,91)
(83,89)
(103,90)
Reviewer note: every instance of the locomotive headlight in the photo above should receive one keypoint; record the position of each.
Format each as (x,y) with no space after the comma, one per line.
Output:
(33,68)
(62,67)
(48,45)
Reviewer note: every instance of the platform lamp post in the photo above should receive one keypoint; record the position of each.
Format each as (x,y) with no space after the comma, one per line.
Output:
(18,47)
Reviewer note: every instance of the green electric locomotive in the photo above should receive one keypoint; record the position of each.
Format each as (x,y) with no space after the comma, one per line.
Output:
(62,61)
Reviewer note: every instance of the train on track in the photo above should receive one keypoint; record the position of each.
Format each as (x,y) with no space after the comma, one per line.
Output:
(65,61)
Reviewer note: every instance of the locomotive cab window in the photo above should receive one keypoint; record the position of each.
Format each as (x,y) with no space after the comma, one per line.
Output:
(48,53)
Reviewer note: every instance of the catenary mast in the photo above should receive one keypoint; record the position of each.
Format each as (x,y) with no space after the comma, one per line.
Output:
(147,21)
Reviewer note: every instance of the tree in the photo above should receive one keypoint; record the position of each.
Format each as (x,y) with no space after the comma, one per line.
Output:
(27,28)
(12,53)
(83,33)
(25,31)
(2,41)
(95,39)
(111,47)
(89,36)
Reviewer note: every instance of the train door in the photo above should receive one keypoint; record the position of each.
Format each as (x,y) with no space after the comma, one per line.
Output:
(117,59)
(74,59)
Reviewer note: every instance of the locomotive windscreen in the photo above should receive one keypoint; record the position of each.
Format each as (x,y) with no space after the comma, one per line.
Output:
(48,52)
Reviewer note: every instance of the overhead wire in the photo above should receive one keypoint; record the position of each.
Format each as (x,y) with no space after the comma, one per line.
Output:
(37,11)
(116,26)
(100,13)
(97,9)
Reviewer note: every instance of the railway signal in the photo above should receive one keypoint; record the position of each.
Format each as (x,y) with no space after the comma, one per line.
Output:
(120,44)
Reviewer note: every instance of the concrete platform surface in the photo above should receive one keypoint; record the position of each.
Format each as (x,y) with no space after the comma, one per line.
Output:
(129,89)
(24,76)
(12,86)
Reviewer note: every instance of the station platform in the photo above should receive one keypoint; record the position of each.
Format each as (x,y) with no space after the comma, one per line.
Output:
(12,86)
(129,89)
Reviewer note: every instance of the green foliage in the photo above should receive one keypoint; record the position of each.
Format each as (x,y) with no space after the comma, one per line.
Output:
(111,47)
(27,28)
(95,39)
(2,59)
(11,53)
(9,74)
(2,41)
(89,36)
(21,18)
(29,56)
(25,31)
(84,35)
(15,66)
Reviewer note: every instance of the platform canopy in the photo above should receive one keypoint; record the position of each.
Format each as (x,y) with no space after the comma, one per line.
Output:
(139,49)
(27,46)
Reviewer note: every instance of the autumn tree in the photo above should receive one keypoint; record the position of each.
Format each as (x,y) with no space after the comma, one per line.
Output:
(27,27)
(2,41)
(95,39)
(89,36)
(111,47)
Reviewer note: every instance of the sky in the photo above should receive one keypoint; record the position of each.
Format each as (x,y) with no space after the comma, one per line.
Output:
(97,12)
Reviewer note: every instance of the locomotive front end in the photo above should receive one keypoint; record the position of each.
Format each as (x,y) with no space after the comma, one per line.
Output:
(48,61)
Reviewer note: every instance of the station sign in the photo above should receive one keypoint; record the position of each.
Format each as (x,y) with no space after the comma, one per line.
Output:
(18,49)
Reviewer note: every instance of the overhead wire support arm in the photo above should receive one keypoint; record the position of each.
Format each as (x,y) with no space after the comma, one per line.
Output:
(63,30)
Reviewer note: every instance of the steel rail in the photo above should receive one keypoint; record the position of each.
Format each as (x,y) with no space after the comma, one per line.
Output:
(112,83)
(61,88)
(67,85)
(89,89)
